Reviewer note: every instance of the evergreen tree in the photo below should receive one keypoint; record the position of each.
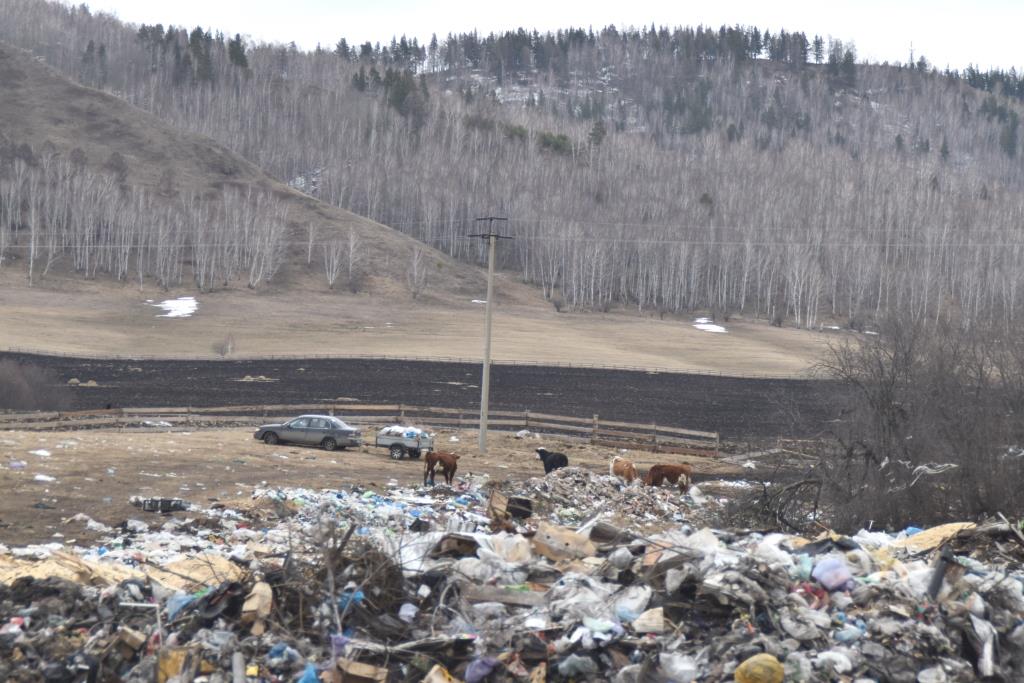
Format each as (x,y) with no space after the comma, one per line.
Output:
(236,52)
(359,81)
(819,49)
(341,49)
(89,63)
(1008,135)
(848,69)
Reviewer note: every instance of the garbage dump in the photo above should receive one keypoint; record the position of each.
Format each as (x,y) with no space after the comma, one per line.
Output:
(570,577)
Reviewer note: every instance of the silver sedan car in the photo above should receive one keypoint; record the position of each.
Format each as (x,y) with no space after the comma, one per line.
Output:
(325,431)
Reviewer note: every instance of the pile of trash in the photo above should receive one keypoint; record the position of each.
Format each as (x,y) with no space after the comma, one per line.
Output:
(485,582)
(403,431)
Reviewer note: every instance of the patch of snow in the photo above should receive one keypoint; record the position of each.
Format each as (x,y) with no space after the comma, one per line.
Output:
(44,477)
(705,325)
(479,301)
(41,452)
(182,307)
(732,483)
(871,332)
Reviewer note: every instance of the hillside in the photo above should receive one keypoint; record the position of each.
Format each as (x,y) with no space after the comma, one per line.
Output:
(119,210)
(676,169)
(92,186)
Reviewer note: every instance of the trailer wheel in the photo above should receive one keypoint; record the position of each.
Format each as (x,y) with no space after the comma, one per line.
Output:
(397,450)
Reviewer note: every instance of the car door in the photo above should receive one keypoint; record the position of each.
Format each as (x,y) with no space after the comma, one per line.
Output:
(318,429)
(295,431)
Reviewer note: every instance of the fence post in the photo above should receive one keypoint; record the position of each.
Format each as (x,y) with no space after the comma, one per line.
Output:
(401,412)
(526,419)
(593,433)
(654,437)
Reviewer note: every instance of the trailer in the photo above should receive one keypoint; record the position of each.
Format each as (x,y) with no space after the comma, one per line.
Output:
(405,441)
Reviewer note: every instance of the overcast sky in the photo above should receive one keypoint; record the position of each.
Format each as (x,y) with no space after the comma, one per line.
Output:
(948,32)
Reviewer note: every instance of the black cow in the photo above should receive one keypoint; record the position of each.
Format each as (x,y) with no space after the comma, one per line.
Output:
(552,461)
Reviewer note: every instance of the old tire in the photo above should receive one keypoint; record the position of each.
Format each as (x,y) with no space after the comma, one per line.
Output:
(397,450)
(270,438)
(329,444)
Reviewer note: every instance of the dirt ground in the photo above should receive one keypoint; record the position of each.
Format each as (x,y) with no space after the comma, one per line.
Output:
(95,318)
(96,472)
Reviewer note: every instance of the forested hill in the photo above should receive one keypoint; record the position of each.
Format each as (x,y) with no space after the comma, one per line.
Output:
(731,169)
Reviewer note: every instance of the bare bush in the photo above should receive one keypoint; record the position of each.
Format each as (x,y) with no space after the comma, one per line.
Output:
(356,258)
(24,386)
(333,258)
(225,347)
(417,275)
(931,429)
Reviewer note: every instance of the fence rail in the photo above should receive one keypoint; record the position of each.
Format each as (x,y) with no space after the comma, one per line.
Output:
(609,433)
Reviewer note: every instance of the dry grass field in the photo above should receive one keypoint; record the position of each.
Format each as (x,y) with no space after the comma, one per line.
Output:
(96,472)
(64,315)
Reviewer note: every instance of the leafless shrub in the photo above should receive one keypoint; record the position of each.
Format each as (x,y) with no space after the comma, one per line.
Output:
(417,275)
(333,258)
(559,303)
(356,257)
(931,429)
(24,386)
(225,347)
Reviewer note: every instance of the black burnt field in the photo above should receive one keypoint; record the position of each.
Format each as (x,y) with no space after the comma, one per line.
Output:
(735,407)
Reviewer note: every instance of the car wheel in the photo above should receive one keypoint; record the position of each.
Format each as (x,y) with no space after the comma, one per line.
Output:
(397,450)
(329,444)
(270,438)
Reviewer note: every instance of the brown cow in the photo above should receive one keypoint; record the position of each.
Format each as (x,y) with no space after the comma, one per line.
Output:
(622,468)
(447,461)
(681,475)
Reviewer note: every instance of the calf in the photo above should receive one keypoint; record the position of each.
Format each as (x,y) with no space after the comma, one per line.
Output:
(448,462)
(681,475)
(623,469)
(552,461)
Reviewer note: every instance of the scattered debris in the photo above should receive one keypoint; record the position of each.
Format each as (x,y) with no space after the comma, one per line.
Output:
(490,582)
(163,505)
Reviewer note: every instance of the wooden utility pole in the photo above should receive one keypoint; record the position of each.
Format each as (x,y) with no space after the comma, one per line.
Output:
(485,381)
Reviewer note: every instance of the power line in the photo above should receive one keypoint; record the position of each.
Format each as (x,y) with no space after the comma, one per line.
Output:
(43,246)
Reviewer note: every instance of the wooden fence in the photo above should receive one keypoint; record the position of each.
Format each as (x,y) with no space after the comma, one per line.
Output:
(651,437)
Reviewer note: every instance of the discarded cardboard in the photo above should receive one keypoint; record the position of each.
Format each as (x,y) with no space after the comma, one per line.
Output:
(507,596)
(458,545)
(439,674)
(932,538)
(651,621)
(257,607)
(181,663)
(558,543)
(501,506)
(350,671)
